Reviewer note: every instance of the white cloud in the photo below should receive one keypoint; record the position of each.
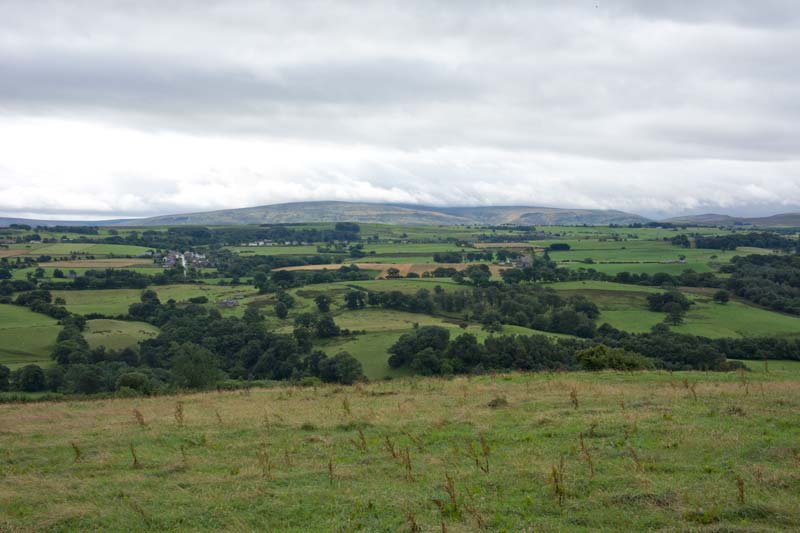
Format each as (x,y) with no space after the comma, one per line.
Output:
(138,109)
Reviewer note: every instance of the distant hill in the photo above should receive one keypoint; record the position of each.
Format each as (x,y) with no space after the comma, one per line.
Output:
(392,214)
(6,221)
(406,214)
(780,220)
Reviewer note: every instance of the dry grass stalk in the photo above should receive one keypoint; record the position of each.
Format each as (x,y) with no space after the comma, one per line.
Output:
(179,413)
(184,457)
(450,489)
(440,505)
(740,490)
(140,511)
(77,451)
(136,463)
(412,522)
(330,470)
(556,480)
(287,457)
(346,406)
(635,457)
(416,440)
(388,443)
(407,465)
(587,456)
(361,442)
(475,514)
(264,461)
(219,418)
(139,418)
(691,388)
(573,397)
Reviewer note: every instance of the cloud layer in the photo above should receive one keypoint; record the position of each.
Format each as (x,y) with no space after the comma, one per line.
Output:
(154,107)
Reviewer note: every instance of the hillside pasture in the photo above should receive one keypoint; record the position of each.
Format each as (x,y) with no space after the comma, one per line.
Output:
(632,452)
(81,248)
(112,302)
(25,337)
(117,334)
(100,263)
(625,307)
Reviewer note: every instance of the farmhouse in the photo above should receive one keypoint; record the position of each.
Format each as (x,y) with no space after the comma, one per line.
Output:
(523,261)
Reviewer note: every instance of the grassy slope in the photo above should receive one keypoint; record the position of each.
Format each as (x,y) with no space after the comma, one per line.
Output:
(663,456)
(117,334)
(25,337)
(625,307)
(117,301)
(384,327)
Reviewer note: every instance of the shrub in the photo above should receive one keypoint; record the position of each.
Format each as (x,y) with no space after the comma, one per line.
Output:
(341,368)
(601,357)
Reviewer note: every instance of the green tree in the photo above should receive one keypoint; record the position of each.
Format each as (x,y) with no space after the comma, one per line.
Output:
(323,303)
(602,357)
(326,327)
(30,378)
(722,296)
(675,313)
(341,368)
(354,299)
(4,374)
(194,367)
(281,311)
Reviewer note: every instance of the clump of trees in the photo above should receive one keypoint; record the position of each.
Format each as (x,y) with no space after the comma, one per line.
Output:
(531,306)
(429,350)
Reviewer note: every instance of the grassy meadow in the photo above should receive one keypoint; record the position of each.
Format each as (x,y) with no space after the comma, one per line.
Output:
(25,337)
(524,452)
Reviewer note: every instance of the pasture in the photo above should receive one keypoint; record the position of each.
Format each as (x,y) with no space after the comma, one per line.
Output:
(114,302)
(25,337)
(546,452)
(625,307)
(117,334)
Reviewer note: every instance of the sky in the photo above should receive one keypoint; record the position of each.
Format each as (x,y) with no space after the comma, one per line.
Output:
(132,109)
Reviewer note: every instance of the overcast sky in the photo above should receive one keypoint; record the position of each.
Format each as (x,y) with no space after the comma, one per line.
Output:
(116,109)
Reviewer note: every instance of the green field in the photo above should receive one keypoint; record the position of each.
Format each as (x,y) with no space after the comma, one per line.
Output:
(116,301)
(643,251)
(625,307)
(67,248)
(611,269)
(117,334)
(25,337)
(676,451)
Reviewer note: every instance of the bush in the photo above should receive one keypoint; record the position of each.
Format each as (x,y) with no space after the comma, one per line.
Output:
(601,357)
(136,381)
(29,378)
(341,368)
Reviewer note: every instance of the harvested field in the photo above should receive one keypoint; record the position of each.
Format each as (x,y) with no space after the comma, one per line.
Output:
(11,253)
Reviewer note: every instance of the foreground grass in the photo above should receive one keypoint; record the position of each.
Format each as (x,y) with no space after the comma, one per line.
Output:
(660,451)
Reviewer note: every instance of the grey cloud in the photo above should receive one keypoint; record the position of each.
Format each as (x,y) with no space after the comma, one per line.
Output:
(596,88)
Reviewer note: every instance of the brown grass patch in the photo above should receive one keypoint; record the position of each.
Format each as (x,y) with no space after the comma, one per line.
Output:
(12,253)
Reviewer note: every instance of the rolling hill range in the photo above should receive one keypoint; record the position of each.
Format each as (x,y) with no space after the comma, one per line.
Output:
(391,214)
(6,221)
(406,214)
(712,219)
